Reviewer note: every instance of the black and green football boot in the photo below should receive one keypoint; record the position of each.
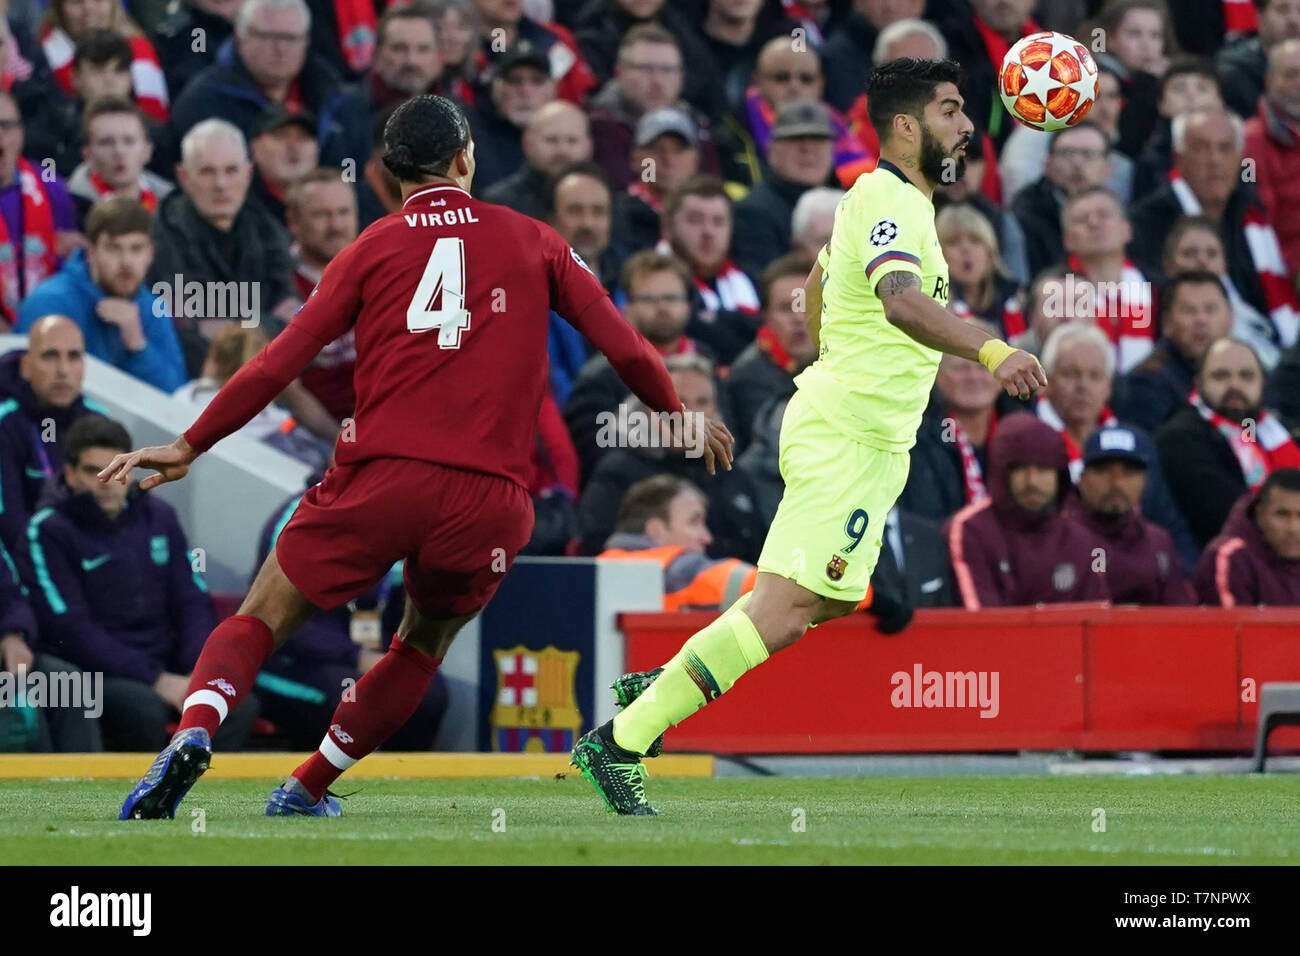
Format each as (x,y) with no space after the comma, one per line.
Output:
(617,774)
(631,686)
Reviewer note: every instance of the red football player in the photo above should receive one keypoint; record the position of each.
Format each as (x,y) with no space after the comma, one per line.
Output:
(449,300)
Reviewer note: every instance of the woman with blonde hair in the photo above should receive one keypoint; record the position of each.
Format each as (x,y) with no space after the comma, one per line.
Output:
(68,21)
(980,284)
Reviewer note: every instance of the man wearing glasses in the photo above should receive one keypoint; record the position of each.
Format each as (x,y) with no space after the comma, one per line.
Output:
(269,63)
(1077,159)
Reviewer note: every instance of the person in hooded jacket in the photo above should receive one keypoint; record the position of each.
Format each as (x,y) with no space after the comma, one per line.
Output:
(1256,558)
(1017,546)
(114,591)
(40,398)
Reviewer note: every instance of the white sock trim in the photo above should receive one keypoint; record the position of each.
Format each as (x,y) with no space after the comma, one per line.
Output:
(331,752)
(209,698)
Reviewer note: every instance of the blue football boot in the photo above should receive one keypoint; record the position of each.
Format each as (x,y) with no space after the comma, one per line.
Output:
(173,773)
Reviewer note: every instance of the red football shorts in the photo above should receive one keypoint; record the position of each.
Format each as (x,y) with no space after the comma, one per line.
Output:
(458,532)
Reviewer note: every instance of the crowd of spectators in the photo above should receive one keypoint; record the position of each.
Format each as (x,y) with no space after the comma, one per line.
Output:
(175,174)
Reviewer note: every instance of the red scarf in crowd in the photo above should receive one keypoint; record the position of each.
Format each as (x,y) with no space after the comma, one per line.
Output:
(1047,413)
(730,290)
(1129,320)
(1239,17)
(38,256)
(147,80)
(642,192)
(356,25)
(772,348)
(996,47)
(1265,256)
(1270,446)
(148,198)
(971,472)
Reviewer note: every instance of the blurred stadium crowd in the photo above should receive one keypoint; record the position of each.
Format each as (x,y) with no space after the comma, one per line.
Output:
(175,175)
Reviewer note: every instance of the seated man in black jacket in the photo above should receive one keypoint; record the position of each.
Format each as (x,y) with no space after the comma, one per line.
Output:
(1223,442)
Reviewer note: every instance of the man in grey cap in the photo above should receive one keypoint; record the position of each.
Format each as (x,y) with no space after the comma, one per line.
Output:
(799,157)
(665,153)
(1139,559)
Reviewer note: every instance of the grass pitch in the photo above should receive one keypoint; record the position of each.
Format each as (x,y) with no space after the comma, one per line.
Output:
(866,820)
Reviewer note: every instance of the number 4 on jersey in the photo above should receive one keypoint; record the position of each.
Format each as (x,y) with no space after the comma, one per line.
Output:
(439,301)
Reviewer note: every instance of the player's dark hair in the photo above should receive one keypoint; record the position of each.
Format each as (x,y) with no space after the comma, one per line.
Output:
(104,48)
(583,167)
(790,264)
(1188,65)
(423,136)
(94,431)
(117,216)
(650,498)
(1288,479)
(110,106)
(905,85)
(703,185)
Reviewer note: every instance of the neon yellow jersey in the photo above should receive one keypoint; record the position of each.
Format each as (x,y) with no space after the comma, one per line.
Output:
(871,380)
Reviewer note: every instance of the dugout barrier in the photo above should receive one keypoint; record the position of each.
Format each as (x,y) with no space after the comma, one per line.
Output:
(1083,677)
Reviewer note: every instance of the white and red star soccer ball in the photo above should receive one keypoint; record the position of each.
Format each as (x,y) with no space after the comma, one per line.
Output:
(1048,81)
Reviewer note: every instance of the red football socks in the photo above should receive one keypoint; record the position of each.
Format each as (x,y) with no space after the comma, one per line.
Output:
(225,671)
(380,703)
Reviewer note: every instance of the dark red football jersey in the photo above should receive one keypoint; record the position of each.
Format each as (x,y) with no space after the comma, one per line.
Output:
(449,300)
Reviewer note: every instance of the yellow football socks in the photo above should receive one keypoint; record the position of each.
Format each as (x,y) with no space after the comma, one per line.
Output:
(707,665)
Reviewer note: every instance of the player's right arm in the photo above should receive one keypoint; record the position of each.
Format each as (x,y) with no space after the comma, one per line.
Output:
(915,313)
(328,312)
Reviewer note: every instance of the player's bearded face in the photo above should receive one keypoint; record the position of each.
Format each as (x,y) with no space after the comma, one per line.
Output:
(940,163)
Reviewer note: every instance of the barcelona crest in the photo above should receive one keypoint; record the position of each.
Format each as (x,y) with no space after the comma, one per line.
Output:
(835,568)
(536,706)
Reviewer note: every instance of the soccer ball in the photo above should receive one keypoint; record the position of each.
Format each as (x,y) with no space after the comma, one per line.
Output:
(1048,81)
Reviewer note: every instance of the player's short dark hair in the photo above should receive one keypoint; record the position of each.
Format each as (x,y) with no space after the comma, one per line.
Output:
(906,85)
(1288,479)
(702,185)
(104,48)
(790,264)
(117,216)
(651,260)
(110,106)
(422,137)
(410,11)
(94,431)
(582,167)
(1188,65)
(650,498)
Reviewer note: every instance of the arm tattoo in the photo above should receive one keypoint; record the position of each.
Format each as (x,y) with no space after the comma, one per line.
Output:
(897,282)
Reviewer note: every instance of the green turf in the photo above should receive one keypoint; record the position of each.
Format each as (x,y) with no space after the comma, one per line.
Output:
(963,819)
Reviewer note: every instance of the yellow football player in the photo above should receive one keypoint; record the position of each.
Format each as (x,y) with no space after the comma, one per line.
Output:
(876,302)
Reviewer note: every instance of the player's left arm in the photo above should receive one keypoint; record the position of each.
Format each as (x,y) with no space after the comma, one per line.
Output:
(921,317)
(329,312)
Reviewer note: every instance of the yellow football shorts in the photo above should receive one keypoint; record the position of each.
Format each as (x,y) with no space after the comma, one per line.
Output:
(838,492)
